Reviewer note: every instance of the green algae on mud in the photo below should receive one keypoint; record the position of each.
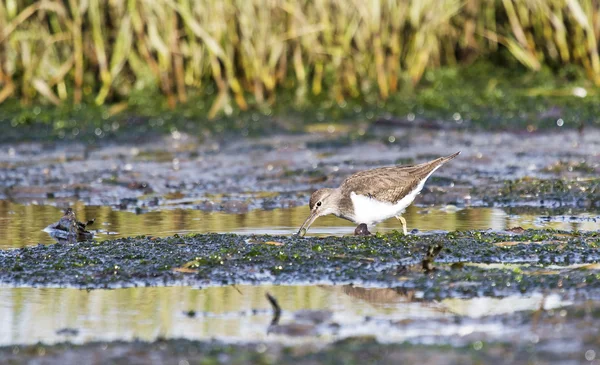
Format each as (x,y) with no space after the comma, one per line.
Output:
(558,192)
(390,260)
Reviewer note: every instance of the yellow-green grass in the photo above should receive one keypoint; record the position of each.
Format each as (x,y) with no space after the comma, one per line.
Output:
(66,51)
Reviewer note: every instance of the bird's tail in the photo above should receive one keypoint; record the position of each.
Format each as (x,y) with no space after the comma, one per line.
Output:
(427,168)
(442,160)
(448,158)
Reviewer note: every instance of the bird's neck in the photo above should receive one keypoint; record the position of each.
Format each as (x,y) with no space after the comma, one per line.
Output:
(342,204)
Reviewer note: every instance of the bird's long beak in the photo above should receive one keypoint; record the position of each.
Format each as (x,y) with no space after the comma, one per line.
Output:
(311,218)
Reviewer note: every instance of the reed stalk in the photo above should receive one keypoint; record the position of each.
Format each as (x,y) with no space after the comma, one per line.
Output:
(248,50)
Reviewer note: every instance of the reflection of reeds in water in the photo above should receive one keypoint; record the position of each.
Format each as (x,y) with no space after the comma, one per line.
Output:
(246,49)
(22,225)
(25,225)
(146,313)
(31,315)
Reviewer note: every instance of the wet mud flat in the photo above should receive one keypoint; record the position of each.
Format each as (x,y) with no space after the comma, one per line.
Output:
(551,168)
(468,264)
(350,351)
(560,267)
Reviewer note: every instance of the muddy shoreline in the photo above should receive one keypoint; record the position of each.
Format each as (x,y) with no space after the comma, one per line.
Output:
(350,351)
(464,268)
(181,171)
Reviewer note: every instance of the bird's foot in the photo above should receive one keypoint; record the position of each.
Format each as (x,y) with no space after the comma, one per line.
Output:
(403,221)
(362,230)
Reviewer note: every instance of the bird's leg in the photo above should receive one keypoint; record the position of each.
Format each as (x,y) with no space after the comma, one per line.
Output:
(362,230)
(401,219)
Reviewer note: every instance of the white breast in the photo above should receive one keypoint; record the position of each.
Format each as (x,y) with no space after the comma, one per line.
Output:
(371,211)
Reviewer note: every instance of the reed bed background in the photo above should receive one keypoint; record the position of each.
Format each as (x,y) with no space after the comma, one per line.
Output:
(73,51)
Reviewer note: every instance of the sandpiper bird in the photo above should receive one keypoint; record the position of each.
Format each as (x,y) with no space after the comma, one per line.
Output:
(372,196)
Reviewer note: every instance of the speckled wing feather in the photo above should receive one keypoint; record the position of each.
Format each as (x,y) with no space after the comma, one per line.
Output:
(386,184)
(390,184)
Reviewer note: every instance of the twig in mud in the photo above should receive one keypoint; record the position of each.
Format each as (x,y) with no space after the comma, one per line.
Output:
(535,318)
(432,252)
(276,309)
(237,289)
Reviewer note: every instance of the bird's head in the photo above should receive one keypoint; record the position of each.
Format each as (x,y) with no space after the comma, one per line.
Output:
(322,202)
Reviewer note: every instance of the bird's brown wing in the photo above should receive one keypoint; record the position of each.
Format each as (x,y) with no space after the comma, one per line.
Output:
(388,184)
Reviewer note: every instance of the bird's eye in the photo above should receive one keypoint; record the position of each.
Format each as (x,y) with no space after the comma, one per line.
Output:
(318,204)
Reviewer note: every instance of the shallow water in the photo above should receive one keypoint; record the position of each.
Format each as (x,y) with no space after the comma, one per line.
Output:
(23,225)
(243,314)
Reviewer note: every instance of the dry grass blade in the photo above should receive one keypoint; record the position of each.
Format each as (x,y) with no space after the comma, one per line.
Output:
(23,15)
(42,87)
(7,91)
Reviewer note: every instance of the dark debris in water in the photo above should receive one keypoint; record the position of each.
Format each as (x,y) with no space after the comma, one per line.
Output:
(69,230)
(470,263)
(361,230)
(306,322)
(67,331)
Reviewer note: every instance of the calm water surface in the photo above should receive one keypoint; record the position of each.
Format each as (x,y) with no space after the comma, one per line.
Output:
(50,315)
(22,225)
